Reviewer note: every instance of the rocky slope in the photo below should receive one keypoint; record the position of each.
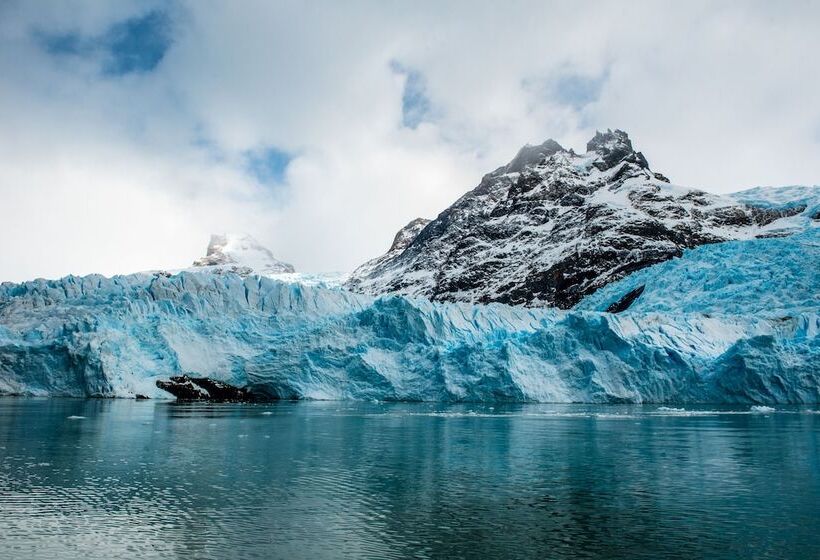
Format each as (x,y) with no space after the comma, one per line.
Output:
(401,241)
(553,226)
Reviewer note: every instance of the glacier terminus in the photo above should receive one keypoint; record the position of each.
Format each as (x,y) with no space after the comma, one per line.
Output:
(96,336)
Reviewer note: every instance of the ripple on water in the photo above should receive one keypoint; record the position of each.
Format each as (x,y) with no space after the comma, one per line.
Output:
(330,480)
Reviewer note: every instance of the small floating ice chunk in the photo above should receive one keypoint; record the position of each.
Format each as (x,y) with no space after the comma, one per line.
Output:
(761,409)
(670,409)
(267,413)
(72,417)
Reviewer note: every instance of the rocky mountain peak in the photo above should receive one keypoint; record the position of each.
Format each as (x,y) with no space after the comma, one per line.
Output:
(552,227)
(407,234)
(216,252)
(240,253)
(530,155)
(613,147)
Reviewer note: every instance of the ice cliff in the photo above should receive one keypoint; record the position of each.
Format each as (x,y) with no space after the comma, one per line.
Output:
(741,330)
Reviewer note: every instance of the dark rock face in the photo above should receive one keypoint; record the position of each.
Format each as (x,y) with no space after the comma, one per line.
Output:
(186,388)
(625,302)
(613,148)
(529,155)
(407,234)
(553,226)
(403,239)
(765,216)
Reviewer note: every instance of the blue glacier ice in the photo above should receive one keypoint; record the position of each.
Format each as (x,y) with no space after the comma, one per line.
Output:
(734,322)
(781,197)
(757,277)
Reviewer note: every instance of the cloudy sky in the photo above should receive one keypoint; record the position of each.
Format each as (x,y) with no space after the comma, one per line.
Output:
(129,131)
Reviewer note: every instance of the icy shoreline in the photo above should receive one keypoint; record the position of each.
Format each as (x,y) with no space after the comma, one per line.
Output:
(117,337)
(737,322)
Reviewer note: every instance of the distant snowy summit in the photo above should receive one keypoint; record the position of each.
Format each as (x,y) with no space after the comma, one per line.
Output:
(240,254)
(553,226)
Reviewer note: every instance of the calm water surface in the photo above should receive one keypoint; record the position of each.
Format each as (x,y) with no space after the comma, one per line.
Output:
(122,479)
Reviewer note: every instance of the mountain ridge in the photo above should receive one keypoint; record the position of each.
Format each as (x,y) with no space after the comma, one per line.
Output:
(553,226)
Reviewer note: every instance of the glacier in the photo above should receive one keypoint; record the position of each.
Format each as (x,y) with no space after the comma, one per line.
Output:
(770,277)
(735,322)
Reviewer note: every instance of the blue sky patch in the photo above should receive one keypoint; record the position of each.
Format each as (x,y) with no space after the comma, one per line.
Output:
(267,165)
(62,44)
(134,45)
(137,44)
(578,91)
(415,105)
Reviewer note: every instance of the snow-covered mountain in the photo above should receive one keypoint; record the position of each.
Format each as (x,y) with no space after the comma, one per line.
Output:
(240,254)
(401,241)
(553,226)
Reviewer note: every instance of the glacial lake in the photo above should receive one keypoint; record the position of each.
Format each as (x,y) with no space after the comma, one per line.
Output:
(108,479)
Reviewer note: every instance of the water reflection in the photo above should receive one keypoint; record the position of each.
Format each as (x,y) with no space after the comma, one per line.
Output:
(108,479)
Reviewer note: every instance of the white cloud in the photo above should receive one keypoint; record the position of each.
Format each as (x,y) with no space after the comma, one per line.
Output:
(115,174)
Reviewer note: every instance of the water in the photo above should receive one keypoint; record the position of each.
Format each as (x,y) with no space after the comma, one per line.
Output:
(122,479)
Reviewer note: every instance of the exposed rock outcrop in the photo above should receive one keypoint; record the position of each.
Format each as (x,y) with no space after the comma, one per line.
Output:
(187,388)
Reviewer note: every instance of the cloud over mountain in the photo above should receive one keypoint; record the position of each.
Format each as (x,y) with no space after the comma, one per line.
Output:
(132,130)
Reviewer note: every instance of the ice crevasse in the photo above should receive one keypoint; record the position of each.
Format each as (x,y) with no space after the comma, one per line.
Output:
(743,331)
